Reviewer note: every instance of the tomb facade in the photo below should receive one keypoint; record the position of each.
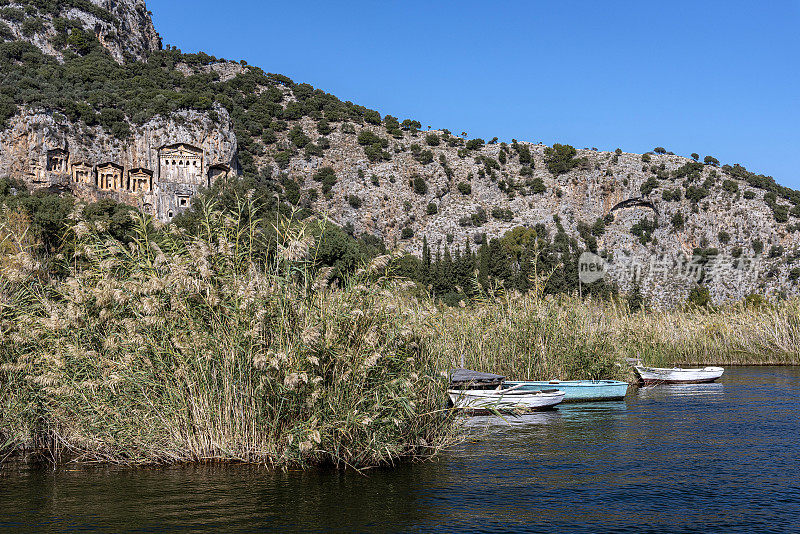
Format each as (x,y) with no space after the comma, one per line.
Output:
(82,173)
(181,171)
(58,161)
(109,177)
(140,180)
(218,171)
(181,163)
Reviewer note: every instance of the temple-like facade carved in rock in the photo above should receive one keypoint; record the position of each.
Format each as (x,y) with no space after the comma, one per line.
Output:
(182,171)
(140,180)
(57,161)
(181,174)
(82,173)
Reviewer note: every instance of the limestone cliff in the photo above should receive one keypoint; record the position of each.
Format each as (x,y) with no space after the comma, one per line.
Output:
(652,216)
(27,147)
(731,219)
(124,27)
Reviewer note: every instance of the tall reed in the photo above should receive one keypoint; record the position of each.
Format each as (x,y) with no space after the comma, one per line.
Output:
(217,346)
(188,348)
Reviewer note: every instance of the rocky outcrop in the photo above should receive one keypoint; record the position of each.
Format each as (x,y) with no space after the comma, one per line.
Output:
(124,27)
(605,186)
(46,153)
(25,144)
(650,233)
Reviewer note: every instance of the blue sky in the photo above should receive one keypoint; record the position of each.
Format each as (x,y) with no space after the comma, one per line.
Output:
(718,78)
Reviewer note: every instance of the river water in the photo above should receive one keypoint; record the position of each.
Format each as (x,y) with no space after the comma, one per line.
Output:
(721,457)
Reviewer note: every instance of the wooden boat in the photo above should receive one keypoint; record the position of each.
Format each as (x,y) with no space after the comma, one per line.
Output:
(676,375)
(578,390)
(468,379)
(503,400)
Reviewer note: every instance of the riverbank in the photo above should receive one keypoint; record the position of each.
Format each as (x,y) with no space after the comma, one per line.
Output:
(724,455)
(176,348)
(525,336)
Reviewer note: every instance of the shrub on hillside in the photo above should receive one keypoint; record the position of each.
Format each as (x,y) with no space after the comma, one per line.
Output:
(678,221)
(354,201)
(420,185)
(475,144)
(561,159)
(327,177)
(700,296)
(503,214)
(730,186)
(537,186)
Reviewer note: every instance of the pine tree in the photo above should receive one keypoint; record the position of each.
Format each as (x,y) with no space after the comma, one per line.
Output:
(425,265)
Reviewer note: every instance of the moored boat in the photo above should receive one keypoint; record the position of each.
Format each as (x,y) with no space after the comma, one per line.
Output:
(676,375)
(503,400)
(578,390)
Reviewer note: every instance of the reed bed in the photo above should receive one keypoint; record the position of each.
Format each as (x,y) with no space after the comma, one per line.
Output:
(188,348)
(182,348)
(526,336)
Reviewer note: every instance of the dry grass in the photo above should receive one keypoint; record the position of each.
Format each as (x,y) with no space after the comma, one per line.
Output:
(565,337)
(182,348)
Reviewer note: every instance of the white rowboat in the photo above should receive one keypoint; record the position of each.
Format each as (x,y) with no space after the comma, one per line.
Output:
(659,375)
(504,399)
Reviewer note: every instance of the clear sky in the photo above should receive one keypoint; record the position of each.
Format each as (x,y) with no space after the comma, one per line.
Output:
(713,77)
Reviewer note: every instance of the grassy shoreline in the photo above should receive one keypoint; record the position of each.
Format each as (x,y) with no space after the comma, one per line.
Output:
(177,348)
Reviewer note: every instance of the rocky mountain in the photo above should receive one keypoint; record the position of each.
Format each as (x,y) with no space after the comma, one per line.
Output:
(123,27)
(657,220)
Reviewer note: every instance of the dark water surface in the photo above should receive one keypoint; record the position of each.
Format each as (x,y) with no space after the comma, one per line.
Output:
(721,457)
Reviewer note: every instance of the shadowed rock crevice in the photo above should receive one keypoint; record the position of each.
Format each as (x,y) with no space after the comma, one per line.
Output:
(634,203)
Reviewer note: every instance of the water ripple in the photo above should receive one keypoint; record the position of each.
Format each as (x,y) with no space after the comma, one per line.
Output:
(718,457)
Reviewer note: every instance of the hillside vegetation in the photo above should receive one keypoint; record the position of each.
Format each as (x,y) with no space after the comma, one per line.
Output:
(395,183)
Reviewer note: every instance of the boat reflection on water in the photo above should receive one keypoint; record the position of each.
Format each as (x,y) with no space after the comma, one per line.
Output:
(679,390)
(593,411)
(501,421)
(572,413)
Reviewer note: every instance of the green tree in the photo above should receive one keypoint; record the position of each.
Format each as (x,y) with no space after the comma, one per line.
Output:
(420,185)
(82,42)
(432,139)
(700,296)
(372,117)
(561,159)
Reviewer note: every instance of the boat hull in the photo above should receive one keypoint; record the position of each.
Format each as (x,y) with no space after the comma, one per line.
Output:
(483,401)
(579,390)
(655,375)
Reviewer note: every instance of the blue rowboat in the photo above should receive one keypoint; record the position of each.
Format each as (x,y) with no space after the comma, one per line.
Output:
(578,390)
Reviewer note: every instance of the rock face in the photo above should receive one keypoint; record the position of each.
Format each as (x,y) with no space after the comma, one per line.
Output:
(45,152)
(655,222)
(124,27)
(755,253)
